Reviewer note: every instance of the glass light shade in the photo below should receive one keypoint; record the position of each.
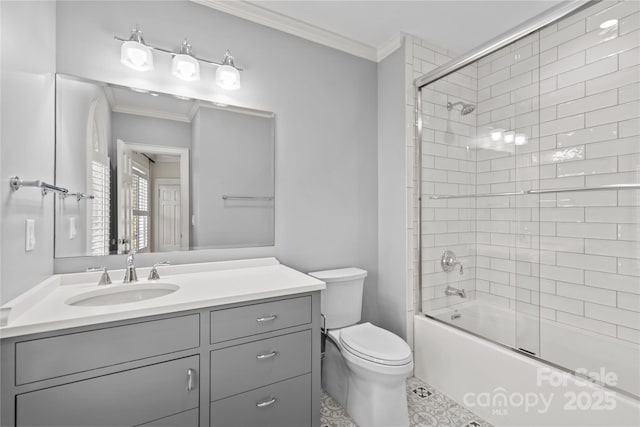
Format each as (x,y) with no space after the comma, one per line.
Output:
(496,135)
(185,67)
(228,77)
(136,55)
(521,139)
(509,137)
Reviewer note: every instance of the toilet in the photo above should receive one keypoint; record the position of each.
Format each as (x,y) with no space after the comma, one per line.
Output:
(364,367)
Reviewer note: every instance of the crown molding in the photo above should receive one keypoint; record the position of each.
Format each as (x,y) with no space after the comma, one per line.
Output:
(266,17)
(390,46)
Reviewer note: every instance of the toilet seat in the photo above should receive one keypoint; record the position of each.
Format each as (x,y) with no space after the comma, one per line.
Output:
(376,345)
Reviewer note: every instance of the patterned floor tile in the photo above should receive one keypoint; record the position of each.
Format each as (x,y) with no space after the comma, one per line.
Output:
(332,414)
(427,408)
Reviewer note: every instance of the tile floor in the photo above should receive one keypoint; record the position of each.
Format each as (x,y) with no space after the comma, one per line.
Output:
(427,407)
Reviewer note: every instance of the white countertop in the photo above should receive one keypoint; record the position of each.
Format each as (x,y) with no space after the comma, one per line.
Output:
(43,308)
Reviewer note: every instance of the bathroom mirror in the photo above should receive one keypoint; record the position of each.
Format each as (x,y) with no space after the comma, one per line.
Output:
(155,172)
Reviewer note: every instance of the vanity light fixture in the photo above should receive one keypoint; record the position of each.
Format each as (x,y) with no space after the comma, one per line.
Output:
(134,52)
(137,54)
(227,75)
(184,65)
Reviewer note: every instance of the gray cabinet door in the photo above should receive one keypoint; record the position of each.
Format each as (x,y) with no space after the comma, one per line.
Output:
(125,398)
(284,404)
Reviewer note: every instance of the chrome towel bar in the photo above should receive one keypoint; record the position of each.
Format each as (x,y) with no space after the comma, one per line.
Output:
(79,196)
(227,197)
(16,183)
(557,190)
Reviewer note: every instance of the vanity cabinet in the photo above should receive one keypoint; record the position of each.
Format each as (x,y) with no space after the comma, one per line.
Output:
(247,364)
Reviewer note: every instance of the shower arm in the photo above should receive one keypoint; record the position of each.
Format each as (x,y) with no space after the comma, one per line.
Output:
(450,105)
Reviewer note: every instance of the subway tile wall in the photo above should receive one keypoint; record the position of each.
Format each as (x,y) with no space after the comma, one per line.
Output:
(448,167)
(572,91)
(420,58)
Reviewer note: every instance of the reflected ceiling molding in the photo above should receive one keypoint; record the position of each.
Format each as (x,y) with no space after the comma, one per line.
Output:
(254,13)
(225,107)
(148,112)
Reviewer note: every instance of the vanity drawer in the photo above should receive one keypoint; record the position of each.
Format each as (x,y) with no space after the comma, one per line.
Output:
(255,319)
(126,398)
(45,358)
(256,364)
(291,406)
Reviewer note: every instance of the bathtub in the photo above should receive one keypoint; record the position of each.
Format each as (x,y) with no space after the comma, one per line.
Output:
(509,388)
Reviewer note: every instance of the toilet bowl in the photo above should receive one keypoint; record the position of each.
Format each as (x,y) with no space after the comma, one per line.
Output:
(365,366)
(364,369)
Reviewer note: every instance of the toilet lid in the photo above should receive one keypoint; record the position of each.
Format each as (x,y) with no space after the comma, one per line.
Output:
(375,344)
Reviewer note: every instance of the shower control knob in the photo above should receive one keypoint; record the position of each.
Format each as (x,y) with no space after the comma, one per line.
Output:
(449,261)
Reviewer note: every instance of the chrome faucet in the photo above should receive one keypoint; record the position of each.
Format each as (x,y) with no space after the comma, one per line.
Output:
(455,291)
(153,274)
(130,272)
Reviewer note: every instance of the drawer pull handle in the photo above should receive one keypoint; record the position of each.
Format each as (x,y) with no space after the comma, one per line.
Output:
(190,377)
(266,403)
(266,318)
(264,356)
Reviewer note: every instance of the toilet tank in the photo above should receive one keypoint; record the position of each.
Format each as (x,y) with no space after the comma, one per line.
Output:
(341,301)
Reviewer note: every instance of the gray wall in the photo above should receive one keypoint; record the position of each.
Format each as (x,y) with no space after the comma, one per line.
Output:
(392,212)
(325,101)
(27,140)
(232,154)
(149,130)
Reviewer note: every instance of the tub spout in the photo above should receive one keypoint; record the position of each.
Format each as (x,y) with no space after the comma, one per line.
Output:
(455,291)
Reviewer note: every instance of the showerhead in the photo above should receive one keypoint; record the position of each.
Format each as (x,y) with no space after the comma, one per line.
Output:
(466,108)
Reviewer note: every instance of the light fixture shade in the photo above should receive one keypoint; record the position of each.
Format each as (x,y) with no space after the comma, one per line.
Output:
(136,55)
(185,67)
(228,77)
(227,74)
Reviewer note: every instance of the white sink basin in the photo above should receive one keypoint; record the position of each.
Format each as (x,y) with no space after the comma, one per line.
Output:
(122,294)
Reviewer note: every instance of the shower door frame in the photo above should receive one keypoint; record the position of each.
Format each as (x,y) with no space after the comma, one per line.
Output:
(528,27)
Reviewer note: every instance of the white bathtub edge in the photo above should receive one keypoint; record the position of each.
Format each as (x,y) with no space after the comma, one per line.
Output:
(469,370)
